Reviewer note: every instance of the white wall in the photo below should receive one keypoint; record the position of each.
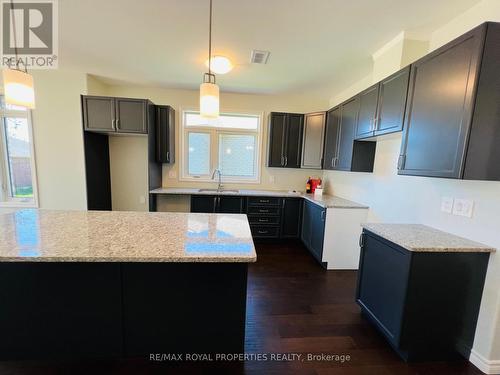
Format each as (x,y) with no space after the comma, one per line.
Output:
(405,199)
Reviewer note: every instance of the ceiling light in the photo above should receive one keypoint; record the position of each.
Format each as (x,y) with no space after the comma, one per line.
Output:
(209,91)
(220,64)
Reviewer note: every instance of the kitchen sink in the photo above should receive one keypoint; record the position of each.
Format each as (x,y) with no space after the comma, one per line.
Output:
(218,191)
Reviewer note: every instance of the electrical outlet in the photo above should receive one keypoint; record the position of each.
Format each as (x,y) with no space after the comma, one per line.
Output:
(463,207)
(271,179)
(447,204)
(172,173)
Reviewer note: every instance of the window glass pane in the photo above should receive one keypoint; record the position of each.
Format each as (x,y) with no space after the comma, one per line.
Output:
(18,157)
(224,121)
(237,155)
(198,154)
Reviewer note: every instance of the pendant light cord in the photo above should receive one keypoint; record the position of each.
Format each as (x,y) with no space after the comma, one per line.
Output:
(209,40)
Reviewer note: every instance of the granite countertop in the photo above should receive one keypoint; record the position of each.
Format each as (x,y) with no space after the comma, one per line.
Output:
(111,236)
(421,238)
(325,200)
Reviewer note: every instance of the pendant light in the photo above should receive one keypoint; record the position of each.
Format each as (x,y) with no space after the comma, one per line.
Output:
(18,84)
(209,91)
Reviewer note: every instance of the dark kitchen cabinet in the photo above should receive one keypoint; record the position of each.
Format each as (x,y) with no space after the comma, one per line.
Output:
(165,130)
(98,113)
(453,110)
(313,138)
(291,217)
(382,106)
(348,120)
(332,132)
(313,229)
(115,115)
(426,304)
(367,112)
(392,103)
(285,140)
(217,204)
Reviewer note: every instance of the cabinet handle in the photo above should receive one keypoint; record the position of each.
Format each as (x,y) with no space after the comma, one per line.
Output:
(263,220)
(264,211)
(263,231)
(361,240)
(113,124)
(286,161)
(401,161)
(264,201)
(168,156)
(332,164)
(118,123)
(215,204)
(323,215)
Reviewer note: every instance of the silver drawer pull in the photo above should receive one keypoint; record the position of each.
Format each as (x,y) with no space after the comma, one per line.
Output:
(264,201)
(263,231)
(263,210)
(263,220)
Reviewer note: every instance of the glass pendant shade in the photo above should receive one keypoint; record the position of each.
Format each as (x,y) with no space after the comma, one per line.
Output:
(209,100)
(18,88)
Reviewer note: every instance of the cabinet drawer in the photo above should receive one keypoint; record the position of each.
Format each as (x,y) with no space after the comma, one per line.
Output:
(264,231)
(264,201)
(264,211)
(264,220)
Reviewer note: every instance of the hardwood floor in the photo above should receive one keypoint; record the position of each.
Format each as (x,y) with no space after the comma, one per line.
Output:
(294,307)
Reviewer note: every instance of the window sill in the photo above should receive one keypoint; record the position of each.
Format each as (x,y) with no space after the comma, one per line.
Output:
(14,204)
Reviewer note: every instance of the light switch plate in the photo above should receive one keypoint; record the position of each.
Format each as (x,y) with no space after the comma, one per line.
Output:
(172,173)
(447,204)
(463,207)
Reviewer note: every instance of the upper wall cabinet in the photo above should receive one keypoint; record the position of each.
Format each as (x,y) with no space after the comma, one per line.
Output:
(342,152)
(285,140)
(382,106)
(312,146)
(165,134)
(453,113)
(110,115)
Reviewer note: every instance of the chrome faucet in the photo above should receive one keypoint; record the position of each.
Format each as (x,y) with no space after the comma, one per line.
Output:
(217,171)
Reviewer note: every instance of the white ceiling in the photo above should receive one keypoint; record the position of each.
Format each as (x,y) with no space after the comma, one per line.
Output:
(313,43)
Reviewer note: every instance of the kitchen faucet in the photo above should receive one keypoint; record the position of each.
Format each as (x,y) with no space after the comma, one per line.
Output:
(217,171)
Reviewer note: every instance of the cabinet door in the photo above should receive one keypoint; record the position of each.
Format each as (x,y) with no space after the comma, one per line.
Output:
(367,112)
(305,234)
(229,205)
(318,217)
(392,102)
(331,138)
(131,115)
(348,120)
(439,109)
(203,203)
(98,113)
(293,140)
(314,133)
(277,129)
(382,281)
(165,134)
(291,217)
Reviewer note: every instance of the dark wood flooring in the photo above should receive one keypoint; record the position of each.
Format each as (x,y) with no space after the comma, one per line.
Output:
(294,306)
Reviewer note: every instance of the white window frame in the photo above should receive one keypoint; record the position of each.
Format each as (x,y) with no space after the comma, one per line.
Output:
(214,147)
(5,199)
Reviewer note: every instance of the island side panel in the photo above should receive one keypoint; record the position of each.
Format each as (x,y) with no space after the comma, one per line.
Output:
(60,310)
(184,308)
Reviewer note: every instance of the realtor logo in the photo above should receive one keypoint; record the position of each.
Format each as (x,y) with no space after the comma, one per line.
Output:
(29,30)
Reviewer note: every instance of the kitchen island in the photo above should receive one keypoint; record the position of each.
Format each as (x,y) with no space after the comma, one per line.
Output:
(92,284)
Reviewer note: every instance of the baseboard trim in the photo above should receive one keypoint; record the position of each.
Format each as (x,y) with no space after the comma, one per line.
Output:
(485,365)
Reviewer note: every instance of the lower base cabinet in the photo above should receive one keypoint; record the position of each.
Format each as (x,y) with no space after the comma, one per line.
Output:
(313,229)
(426,304)
(217,204)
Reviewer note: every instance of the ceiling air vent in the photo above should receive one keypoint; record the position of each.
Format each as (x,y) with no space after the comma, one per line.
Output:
(259,57)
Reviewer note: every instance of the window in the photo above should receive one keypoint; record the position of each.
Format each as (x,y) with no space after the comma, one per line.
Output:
(230,143)
(16,156)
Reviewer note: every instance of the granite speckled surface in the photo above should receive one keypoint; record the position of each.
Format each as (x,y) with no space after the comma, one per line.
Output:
(111,236)
(327,201)
(421,238)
